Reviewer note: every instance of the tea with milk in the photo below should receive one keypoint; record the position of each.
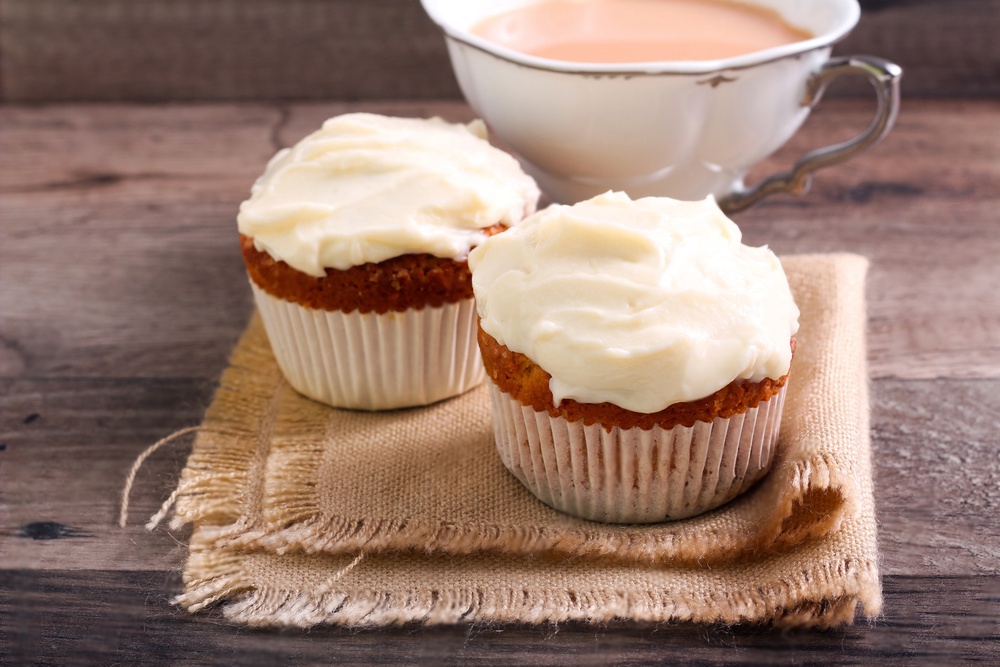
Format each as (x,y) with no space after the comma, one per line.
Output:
(633,31)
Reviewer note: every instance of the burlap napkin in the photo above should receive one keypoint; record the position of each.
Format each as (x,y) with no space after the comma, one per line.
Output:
(304,514)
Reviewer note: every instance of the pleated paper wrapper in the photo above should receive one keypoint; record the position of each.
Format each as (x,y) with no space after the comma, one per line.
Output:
(374,361)
(635,475)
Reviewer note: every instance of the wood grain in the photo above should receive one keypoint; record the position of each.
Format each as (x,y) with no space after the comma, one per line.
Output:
(68,447)
(944,620)
(221,50)
(159,50)
(122,292)
(937,471)
(165,183)
(936,449)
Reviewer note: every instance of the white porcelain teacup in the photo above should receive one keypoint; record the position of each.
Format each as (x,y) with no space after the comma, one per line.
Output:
(680,129)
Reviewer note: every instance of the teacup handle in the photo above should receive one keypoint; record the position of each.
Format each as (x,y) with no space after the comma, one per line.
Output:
(884,76)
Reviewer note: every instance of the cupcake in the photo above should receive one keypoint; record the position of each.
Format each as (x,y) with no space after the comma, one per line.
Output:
(355,242)
(637,355)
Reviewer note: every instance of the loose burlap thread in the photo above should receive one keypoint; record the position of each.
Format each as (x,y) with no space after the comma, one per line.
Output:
(304,514)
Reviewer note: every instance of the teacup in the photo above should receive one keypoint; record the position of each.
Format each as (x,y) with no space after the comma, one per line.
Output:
(682,129)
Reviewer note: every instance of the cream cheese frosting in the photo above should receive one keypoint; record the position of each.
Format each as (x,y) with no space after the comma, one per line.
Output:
(366,188)
(642,303)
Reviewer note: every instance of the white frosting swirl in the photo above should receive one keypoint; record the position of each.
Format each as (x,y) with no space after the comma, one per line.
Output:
(366,188)
(642,304)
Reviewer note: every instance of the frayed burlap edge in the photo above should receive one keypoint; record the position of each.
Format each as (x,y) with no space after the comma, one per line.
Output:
(223,475)
(826,596)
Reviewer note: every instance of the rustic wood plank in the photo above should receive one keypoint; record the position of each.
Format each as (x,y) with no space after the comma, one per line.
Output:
(69,617)
(66,447)
(920,205)
(936,443)
(936,450)
(946,47)
(144,194)
(149,194)
(223,49)
(160,50)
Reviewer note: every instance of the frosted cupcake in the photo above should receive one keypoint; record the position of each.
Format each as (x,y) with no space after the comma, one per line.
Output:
(637,355)
(355,241)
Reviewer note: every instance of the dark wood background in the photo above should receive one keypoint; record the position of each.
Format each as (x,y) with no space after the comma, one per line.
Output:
(168,50)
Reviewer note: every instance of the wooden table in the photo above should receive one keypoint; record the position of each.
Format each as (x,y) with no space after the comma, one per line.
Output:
(122,291)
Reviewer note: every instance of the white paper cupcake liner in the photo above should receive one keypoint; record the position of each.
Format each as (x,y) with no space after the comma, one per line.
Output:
(635,475)
(374,361)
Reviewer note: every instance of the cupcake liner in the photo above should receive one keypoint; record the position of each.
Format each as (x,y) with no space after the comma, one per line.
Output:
(372,361)
(635,475)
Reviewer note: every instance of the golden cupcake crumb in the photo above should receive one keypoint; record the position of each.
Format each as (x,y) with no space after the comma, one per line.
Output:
(526,382)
